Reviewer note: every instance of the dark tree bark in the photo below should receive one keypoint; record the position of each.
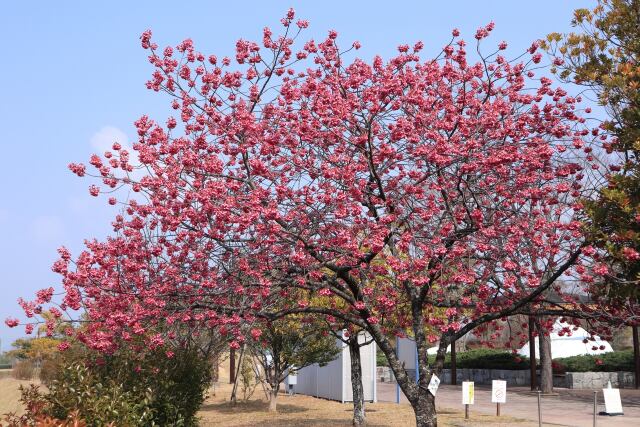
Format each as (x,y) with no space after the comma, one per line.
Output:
(454,372)
(232,365)
(425,410)
(532,353)
(356,381)
(422,401)
(636,355)
(236,377)
(546,369)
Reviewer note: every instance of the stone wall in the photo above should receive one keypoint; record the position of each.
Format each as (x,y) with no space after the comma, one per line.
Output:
(480,376)
(576,380)
(596,380)
(485,376)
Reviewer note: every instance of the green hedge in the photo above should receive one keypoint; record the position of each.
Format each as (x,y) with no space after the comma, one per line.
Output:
(608,362)
(486,358)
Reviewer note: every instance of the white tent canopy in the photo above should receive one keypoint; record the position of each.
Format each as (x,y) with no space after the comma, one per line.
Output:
(570,345)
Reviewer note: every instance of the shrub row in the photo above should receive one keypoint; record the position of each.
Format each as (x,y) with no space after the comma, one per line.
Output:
(483,358)
(608,362)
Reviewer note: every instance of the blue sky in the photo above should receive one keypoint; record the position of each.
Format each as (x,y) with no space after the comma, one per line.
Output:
(74,73)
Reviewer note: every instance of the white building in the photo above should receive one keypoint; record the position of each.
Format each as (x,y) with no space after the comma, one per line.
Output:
(333,381)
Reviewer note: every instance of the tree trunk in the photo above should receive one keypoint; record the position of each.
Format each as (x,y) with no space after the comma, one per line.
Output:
(454,372)
(236,377)
(421,400)
(636,355)
(546,369)
(425,410)
(215,373)
(532,354)
(232,365)
(356,382)
(273,397)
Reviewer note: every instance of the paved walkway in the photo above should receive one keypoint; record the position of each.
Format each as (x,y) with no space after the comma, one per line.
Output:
(570,408)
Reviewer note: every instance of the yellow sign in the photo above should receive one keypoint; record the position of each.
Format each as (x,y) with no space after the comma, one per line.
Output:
(467,393)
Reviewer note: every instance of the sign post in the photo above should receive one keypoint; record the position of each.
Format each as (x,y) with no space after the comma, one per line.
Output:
(498,394)
(467,397)
(595,407)
(539,410)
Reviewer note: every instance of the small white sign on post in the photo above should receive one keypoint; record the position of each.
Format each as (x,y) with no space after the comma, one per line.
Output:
(433,384)
(498,391)
(612,402)
(467,392)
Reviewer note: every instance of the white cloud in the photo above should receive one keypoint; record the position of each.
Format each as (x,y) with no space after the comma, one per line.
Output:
(47,229)
(103,139)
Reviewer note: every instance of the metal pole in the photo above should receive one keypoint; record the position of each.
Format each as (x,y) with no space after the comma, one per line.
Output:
(417,366)
(539,410)
(466,412)
(497,409)
(595,406)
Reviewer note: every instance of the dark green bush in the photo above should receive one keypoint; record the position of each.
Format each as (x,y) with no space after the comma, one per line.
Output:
(77,388)
(130,387)
(485,358)
(608,362)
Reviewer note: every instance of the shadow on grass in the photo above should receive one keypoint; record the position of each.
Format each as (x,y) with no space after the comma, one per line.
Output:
(366,410)
(284,409)
(251,406)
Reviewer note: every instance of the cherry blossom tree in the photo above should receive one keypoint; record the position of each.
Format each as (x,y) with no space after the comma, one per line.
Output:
(366,191)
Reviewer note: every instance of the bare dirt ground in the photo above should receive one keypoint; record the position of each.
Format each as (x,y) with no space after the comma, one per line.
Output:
(10,395)
(306,411)
(567,408)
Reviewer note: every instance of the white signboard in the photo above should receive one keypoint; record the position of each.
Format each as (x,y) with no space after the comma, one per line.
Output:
(433,384)
(498,391)
(612,402)
(467,392)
